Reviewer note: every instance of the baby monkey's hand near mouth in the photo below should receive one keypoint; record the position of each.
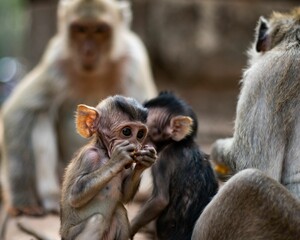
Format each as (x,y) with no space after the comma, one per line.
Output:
(144,157)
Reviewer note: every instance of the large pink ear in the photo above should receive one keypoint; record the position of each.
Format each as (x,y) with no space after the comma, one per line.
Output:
(180,127)
(87,119)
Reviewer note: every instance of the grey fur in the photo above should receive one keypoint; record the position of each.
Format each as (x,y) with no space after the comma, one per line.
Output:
(267,126)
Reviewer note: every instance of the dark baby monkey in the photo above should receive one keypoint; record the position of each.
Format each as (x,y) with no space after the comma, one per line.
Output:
(106,172)
(184,181)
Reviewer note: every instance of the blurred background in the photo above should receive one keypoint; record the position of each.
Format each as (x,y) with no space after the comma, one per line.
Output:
(197,48)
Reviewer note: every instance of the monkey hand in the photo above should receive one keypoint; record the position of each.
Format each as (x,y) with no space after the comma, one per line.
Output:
(122,154)
(145,157)
(221,158)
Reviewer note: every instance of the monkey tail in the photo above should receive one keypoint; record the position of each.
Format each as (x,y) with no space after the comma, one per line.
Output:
(31,231)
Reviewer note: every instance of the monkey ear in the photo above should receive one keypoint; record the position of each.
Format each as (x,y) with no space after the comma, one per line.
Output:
(263,38)
(180,127)
(87,119)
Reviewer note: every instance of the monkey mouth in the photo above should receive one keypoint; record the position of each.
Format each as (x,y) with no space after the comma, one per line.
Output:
(88,67)
(89,63)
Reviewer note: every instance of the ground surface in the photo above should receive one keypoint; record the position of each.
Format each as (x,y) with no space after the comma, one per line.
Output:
(215,110)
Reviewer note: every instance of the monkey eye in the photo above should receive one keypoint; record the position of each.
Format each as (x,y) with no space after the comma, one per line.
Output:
(78,28)
(140,134)
(126,131)
(102,28)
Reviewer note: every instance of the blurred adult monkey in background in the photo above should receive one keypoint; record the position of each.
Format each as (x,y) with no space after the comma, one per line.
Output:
(267,126)
(93,55)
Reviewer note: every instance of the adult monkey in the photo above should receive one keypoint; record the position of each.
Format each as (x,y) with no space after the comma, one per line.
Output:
(93,55)
(266,137)
(267,126)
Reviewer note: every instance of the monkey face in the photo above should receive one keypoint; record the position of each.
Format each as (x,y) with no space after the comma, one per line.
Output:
(90,43)
(157,123)
(134,132)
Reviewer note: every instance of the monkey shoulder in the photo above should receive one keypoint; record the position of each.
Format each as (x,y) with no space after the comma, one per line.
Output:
(135,47)
(92,157)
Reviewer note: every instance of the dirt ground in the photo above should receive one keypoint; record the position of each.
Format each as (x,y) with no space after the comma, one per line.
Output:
(215,110)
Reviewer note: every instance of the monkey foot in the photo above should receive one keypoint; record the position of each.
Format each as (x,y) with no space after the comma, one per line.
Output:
(29,211)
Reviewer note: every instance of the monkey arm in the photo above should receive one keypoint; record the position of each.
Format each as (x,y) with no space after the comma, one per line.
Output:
(144,159)
(159,200)
(88,184)
(150,211)
(131,184)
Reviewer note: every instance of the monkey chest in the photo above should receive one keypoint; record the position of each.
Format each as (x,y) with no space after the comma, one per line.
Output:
(112,190)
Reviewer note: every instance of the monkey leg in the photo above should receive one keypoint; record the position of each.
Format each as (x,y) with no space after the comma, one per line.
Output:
(122,223)
(44,144)
(92,228)
(250,206)
(97,227)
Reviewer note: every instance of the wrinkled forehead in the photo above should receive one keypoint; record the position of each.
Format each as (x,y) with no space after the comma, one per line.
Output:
(131,124)
(158,113)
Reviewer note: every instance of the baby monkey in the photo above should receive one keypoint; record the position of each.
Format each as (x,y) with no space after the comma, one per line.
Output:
(105,174)
(183,179)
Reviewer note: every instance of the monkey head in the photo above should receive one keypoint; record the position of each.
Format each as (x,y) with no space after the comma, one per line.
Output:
(91,29)
(280,30)
(169,119)
(115,119)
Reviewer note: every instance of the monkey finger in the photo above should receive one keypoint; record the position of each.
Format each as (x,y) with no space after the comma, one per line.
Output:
(149,148)
(151,153)
(124,146)
(122,143)
(145,160)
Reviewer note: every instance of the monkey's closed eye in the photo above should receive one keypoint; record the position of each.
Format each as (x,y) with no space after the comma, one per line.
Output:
(156,131)
(140,134)
(126,131)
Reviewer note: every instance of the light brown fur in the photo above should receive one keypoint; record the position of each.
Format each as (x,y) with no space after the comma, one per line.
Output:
(39,133)
(101,176)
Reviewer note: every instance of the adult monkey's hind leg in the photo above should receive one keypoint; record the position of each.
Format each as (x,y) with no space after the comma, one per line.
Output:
(250,206)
